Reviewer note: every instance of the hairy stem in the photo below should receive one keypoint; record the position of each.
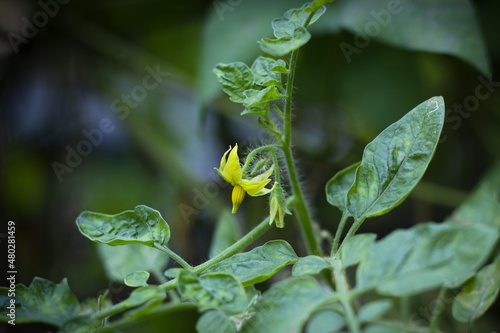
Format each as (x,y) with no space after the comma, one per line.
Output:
(301,209)
(174,256)
(436,311)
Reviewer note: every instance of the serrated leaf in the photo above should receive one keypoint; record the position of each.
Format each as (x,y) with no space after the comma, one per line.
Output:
(374,310)
(257,97)
(395,160)
(215,321)
(43,301)
(137,279)
(286,44)
(261,110)
(226,233)
(120,261)
(267,71)
(287,25)
(478,294)
(143,225)
(310,265)
(234,78)
(213,291)
(338,186)
(258,264)
(286,306)
(144,294)
(424,257)
(356,248)
(325,321)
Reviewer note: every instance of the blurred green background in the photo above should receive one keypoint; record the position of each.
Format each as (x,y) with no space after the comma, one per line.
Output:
(135,77)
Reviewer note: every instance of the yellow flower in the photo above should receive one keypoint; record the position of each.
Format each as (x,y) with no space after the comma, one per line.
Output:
(230,170)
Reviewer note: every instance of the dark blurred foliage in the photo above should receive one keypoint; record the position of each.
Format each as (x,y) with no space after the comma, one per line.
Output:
(160,148)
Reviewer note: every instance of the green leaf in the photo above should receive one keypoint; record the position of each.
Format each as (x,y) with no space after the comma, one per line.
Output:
(226,233)
(483,205)
(258,264)
(356,248)
(120,261)
(286,44)
(338,186)
(267,71)
(412,25)
(213,291)
(424,257)
(144,294)
(257,97)
(137,279)
(261,110)
(234,78)
(140,226)
(43,301)
(310,265)
(395,160)
(374,310)
(325,321)
(478,294)
(287,25)
(215,321)
(286,306)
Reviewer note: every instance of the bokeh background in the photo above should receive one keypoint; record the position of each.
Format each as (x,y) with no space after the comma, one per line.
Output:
(86,71)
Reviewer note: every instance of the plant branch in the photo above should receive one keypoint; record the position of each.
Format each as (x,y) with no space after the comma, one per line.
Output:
(336,240)
(174,256)
(342,290)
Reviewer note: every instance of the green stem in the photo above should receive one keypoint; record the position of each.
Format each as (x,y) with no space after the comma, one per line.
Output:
(237,247)
(174,256)
(355,226)
(342,290)
(436,311)
(300,208)
(115,309)
(252,154)
(336,240)
(405,309)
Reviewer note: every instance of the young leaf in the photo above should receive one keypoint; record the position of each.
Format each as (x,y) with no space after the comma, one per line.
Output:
(140,226)
(120,261)
(264,71)
(338,186)
(374,310)
(287,25)
(310,265)
(213,291)
(395,160)
(286,44)
(226,233)
(43,301)
(356,248)
(424,257)
(325,321)
(286,306)
(215,321)
(234,78)
(144,294)
(258,264)
(257,97)
(478,294)
(137,279)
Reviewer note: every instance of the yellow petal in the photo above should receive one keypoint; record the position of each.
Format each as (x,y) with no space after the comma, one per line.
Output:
(223,160)
(255,186)
(232,170)
(237,196)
